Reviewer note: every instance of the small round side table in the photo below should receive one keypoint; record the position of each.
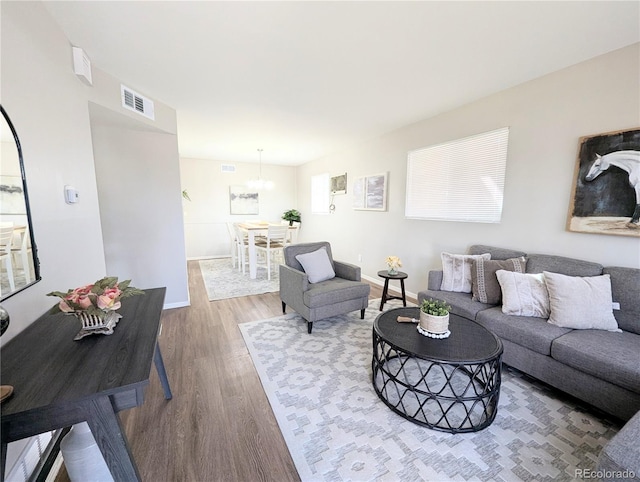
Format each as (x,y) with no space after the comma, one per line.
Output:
(385,292)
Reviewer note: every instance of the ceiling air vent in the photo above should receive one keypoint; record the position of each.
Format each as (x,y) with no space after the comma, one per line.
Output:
(228,168)
(138,103)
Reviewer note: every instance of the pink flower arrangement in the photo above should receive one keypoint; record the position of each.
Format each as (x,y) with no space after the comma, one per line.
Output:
(96,299)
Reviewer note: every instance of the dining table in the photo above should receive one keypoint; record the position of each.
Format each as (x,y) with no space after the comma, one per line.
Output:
(253,231)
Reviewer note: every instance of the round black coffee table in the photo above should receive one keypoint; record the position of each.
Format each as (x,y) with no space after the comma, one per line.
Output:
(452,385)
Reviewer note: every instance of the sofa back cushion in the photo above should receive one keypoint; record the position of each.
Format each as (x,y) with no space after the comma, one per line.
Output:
(496,253)
(625,288)
(537,263)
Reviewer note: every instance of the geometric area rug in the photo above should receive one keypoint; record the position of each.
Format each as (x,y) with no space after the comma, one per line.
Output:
(337,429)
(223,281)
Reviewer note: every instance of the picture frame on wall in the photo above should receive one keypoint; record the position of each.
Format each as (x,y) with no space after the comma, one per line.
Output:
(243,200)
(605,198)
(12,195)
(370,192)
(339,184)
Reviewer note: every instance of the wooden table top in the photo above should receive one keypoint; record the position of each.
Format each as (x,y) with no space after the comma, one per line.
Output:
(48,369)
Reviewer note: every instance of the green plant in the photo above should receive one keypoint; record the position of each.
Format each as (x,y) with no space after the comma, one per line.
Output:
(435,307)
(185,195)
(292,215)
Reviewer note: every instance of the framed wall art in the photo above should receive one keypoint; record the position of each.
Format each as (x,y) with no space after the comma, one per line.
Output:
(339,184)
(243,200)
(606,186)
(12,195)
(370,193)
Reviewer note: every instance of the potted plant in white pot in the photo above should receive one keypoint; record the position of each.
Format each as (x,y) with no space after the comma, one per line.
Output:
(434,318)
(292,215)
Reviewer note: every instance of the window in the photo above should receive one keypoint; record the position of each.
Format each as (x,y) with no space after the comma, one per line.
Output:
(461,180)
(320,192)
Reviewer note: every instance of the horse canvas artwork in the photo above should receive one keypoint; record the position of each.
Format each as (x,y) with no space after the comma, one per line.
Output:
(606,195)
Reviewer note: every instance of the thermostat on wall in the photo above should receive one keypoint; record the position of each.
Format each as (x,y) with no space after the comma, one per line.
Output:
(70,195)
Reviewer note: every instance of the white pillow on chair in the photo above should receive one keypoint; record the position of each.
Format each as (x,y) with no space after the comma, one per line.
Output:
(317,265)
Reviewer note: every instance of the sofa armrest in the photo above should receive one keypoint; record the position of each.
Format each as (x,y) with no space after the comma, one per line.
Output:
(346,271)
(620,457)
(435,280)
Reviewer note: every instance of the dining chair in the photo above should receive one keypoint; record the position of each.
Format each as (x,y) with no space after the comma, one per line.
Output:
(234,243)
(6,239)
(242,248)
(20,249)
(272,247)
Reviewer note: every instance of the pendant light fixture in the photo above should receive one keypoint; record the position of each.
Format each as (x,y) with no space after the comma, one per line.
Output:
(260,183)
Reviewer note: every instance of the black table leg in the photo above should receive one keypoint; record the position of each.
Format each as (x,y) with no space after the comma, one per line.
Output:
(162,373)
(111,439)
(404,297)
(384,293)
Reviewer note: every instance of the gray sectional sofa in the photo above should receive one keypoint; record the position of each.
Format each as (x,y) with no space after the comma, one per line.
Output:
(599,367)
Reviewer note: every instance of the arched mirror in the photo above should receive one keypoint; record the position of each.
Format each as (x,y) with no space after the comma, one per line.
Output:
(19,265)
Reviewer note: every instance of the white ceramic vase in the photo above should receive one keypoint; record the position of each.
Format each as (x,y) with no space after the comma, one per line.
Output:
(82,457)
(433,323)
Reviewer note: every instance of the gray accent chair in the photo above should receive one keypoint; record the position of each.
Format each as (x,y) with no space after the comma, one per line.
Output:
(316,301)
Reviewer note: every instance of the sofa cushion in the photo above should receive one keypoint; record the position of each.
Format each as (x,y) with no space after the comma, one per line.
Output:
(456,271)
(614,357)
(625,290)
(317,265)
(496,253)
(334,291)
(461,303)
(537,263)
(484,283)
(524,294)
(580,302)
(530,332)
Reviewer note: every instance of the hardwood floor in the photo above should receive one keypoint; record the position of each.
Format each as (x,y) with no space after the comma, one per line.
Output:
(219,425)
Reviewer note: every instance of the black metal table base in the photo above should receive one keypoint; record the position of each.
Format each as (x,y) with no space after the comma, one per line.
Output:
(446,396)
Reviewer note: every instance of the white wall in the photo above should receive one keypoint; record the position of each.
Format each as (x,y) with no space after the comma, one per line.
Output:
(138,181)
(206,215)
(547,116)
(48,107)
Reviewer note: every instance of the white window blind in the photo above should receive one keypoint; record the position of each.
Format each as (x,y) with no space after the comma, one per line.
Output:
(320,193)
(461,180)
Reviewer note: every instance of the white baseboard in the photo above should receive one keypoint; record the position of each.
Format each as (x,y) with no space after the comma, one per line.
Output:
(198,258)
(180,304)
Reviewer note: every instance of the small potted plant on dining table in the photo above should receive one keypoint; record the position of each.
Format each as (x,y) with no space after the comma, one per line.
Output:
(434,316)
(292,215)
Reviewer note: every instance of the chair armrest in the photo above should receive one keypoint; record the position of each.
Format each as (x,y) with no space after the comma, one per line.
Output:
(292,282)
(435,280)
(347,271)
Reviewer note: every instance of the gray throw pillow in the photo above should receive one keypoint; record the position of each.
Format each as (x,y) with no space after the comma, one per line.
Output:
(317,265)
(484,282)
(583,303)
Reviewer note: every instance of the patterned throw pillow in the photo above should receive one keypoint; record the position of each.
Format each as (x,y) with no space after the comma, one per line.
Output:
(523,294)
(484,282)
(456,271)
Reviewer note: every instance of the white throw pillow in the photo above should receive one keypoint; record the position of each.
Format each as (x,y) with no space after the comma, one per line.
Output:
(582,303)
(523,294)
(317,265)
(456,271)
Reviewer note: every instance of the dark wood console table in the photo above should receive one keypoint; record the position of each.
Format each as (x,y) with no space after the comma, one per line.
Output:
(59,382)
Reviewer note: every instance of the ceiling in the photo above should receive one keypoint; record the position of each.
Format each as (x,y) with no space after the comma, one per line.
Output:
(302,80)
